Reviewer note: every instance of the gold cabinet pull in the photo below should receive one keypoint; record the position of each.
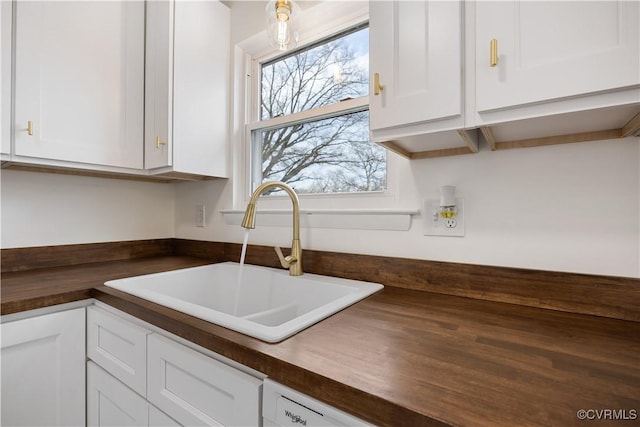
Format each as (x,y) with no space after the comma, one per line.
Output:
(29,128)
(159,142)
(493,60)
(377,87)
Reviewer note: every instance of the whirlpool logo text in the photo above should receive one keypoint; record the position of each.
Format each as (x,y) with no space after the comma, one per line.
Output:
(296,419)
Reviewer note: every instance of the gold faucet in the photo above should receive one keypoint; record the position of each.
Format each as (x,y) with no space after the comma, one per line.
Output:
(294,261)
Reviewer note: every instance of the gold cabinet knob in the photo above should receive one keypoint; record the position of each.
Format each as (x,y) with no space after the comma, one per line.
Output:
(493,52)
(159,142)
(377,87)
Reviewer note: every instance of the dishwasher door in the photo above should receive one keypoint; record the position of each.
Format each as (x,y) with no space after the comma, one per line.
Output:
(282,406)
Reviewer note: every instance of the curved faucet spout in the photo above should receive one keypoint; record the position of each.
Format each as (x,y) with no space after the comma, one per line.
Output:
(294,261)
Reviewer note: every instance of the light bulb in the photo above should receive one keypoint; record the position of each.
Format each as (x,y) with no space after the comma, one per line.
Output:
(283,36)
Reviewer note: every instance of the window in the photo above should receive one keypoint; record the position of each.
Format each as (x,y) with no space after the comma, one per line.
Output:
(313,127)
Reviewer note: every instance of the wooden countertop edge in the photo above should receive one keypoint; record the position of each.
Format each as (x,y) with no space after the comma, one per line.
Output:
(238,347)
(42,282)
(16,306)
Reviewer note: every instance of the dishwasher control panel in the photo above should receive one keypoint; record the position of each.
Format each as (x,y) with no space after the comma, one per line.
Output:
(283,406)
(290,413)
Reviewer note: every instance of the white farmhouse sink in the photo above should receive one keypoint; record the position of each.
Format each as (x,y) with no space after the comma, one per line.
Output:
(265,303)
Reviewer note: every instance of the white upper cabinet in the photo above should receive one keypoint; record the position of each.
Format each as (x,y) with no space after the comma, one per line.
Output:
(556,72)
(5,79)
(79,82)
(526,73)
(187,88)
(416,52)
(416,75)
(547,50)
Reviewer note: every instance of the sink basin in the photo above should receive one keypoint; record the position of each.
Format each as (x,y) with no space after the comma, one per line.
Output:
(265,303)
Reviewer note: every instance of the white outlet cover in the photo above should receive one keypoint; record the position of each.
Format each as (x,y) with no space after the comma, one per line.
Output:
(200,215)
(434,224)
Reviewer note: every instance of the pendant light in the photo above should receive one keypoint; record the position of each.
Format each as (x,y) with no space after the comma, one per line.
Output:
(282,28)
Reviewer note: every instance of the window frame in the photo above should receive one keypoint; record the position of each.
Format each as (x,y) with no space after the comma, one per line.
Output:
(328,111)
(342,23)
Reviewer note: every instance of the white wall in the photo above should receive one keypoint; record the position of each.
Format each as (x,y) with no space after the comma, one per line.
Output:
(40,209)
(573,207)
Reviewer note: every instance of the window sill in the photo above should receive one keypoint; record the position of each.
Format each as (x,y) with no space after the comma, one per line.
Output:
(355,219)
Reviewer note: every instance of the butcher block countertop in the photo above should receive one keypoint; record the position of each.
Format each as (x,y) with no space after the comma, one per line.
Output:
(402,357)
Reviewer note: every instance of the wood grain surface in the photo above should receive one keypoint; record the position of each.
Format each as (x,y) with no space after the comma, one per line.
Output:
(27,290)
(410,355)
(21,259)
(615,297)
(409,358)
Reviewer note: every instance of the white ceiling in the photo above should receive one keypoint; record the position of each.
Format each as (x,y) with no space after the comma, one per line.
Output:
(247,16)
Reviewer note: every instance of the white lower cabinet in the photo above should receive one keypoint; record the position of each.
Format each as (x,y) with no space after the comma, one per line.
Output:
(43,373)
(198,390)
(157,418)
(183,386)
(118,346)
(111,403)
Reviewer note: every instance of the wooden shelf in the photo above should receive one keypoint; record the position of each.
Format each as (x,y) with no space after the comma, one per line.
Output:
(615,121)
(447,143)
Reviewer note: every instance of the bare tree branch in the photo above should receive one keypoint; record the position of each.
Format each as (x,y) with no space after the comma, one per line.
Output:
(332,154)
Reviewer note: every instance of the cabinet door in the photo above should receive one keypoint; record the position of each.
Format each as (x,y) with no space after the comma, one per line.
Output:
(111,403)
(43,370)
(157,418)
(415,48)
(158,135)
(5,78)
(187,87)
(118,346)
(197,390)
(201,87)
(79,81)
(554,49)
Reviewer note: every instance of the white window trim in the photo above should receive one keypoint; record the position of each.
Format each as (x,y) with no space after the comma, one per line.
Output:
(349,219)
(319,113)
(316,23)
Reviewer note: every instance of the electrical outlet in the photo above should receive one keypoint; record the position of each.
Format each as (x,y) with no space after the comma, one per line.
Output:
(436,225)
(199,215)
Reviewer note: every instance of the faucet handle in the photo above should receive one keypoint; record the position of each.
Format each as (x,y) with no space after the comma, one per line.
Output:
(285,261)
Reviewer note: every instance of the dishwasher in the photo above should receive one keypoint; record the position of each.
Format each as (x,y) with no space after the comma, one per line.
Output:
(282,406)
